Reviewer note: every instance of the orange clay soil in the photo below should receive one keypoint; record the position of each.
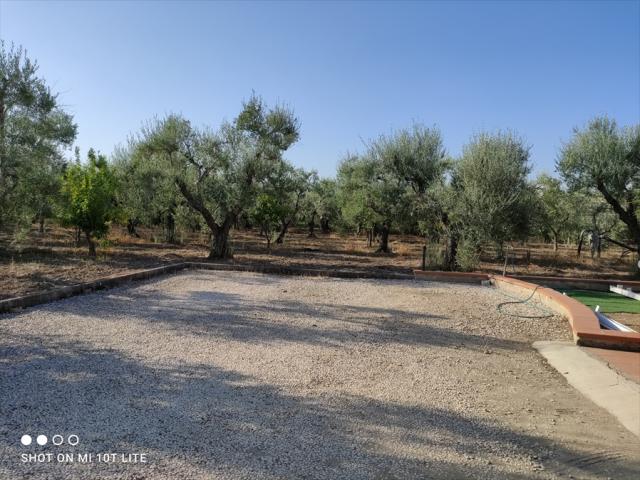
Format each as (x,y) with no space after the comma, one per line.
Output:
(43,262)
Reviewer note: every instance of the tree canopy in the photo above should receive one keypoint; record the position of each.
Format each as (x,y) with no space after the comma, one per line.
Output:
(218,173)
(89,190)
(33,130)
(606,158)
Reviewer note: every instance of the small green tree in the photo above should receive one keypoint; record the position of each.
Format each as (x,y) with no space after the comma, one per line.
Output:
(321,202)
(354,179)
(605,158)
(89,192)
(384,187)
(267,213)
(288,186)
(559,209)
(146,194)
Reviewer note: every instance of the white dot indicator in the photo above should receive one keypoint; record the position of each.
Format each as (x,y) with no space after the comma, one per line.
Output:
(73,440)
(25,440)
(57,440)
(42,439)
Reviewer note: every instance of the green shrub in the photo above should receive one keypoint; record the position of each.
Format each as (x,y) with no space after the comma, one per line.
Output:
(468,257)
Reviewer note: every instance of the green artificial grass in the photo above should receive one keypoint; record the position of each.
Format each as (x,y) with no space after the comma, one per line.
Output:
(609,302)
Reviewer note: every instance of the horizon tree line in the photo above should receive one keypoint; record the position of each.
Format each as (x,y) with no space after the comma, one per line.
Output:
(175,175)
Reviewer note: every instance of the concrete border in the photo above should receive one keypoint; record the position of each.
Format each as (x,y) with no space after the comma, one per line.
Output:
(454,277)
(584,323)
(600,284)
(602,385)
(10,304)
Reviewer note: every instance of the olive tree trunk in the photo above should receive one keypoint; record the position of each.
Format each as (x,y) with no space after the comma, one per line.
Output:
(92,244)
(312,225)
(384,238)
(451,253)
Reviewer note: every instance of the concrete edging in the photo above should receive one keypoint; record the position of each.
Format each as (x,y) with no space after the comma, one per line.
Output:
(10,304)
(584,323)
(454,277)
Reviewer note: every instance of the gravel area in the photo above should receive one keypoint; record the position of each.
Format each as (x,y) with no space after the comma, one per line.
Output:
(228,375)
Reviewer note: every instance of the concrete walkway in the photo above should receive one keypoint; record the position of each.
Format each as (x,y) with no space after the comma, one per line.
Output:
(596,381)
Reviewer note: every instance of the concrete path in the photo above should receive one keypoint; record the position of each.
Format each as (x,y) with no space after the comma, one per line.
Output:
(596,381)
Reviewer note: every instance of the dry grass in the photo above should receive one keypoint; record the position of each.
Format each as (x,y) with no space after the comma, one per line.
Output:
(41,262)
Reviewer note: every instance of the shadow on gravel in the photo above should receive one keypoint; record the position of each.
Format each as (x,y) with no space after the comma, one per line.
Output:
(221,423)
(242,318)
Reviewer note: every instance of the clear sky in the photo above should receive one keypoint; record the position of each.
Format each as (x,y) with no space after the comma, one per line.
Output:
(351,71)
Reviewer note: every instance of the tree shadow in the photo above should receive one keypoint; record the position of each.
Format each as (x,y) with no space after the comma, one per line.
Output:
(218,314)
(199,420)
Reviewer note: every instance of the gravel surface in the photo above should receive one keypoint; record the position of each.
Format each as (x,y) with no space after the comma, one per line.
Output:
(228,375)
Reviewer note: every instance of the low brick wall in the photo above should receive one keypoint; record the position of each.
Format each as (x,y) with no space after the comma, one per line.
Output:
(584,323)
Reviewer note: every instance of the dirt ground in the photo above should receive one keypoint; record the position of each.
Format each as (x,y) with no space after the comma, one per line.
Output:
(232,375)
(42,262)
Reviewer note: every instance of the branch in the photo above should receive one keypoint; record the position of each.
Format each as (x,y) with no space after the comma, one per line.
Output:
(196,204)
(626,216)
(623,245)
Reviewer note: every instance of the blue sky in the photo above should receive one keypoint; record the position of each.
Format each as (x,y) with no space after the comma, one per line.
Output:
(351,71)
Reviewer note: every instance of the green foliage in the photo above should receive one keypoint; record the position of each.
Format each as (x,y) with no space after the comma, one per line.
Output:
(219,173)
(602,155)
(389,185)
(33,130)
(288,186)
(321,203)
(355,182)
(493,195)
(558,211)
(606,158)
(267,213)
(146,194)
(89,191)
(468,255)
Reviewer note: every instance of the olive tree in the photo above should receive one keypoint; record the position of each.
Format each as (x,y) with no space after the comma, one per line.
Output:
(559,212)
(605,158)
(321,202)
(146,195)
(288,187)
(267,213)
(33,130)
(493,195)
(218,173)
(383,187)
